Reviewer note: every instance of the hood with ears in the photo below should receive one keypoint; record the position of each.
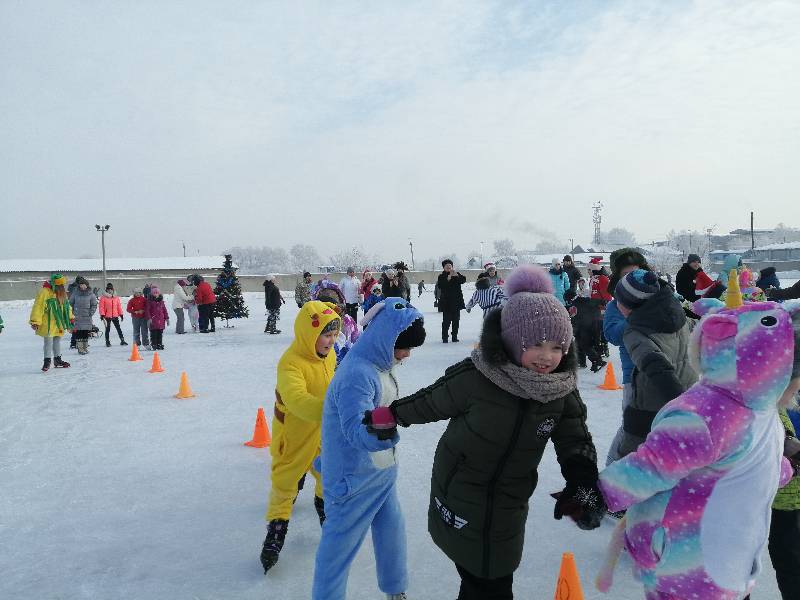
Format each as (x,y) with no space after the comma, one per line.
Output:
(748,350)
(310,321)
(385,322)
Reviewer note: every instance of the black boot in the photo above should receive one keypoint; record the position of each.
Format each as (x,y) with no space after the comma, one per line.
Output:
(60,364)
(46,365)
(273,544)
(108,343)
(319,504)
(122,342)
(598,365)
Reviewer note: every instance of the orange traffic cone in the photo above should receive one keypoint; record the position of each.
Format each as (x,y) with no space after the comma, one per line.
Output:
(261,436)
(156,368)
(185,391)
(611,380)
(135,354)
(569,584)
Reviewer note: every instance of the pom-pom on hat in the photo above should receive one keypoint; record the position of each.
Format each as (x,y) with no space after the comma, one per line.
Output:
(532,314)
(636,288)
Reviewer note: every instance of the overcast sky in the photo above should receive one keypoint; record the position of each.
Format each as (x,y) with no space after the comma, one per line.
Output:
(339,124)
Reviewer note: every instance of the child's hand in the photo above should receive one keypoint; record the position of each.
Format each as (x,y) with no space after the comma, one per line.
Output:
(584,504)
(380,422)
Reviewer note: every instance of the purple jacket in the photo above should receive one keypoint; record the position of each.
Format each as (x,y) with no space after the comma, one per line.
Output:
(156,312)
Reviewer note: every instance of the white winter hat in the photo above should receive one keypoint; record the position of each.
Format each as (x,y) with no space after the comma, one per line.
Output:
(271,277)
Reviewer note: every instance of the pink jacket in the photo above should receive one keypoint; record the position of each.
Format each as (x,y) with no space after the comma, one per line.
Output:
(110,306)
(156,312)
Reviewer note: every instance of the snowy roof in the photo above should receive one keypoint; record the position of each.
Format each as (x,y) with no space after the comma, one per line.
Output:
(89,265)
(782,246)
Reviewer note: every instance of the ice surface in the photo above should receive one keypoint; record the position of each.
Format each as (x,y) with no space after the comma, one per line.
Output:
(112,488)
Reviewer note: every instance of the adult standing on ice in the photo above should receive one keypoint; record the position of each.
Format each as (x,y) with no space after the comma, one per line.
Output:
(560,279)
(84,305)
(686,279)
(205,299)
(516,392)
(180,301)
(351,288)
(359,470)
(51,317)
(572,272)
(451,299)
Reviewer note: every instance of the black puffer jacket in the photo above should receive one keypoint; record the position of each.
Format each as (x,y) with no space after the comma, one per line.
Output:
(485,467)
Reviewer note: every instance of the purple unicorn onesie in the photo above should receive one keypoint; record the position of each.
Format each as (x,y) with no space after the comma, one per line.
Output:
(698,491)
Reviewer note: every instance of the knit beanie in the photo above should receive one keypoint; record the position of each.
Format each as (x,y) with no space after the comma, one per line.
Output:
(412,337)
(154,291)
(693,258)
(447,261)
(334,325)
(532,314)
(624,257)
(636,288)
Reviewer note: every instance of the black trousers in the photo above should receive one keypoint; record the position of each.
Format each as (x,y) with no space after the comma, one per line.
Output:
(115,320)
(206,316)
(784,550)
(157,337)
(478,588)
(352,310)
(450,317)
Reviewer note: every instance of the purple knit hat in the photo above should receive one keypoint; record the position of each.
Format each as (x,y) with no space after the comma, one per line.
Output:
(532,314)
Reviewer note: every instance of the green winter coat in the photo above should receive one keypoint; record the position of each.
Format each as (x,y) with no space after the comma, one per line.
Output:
(485,466)
(788,497)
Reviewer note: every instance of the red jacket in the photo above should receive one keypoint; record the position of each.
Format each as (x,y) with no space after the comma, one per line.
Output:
(203,294)
(599,287)
(136,306)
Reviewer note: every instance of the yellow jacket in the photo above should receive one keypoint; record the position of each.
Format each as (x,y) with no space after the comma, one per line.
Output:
(303,376)
(51,318)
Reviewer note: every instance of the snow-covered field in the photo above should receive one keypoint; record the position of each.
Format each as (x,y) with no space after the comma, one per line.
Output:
(112,488)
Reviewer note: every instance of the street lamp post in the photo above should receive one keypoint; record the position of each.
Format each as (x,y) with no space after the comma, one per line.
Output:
(481,254)
(411,245)
(102,231)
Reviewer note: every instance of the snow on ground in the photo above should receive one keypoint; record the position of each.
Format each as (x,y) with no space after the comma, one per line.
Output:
(112,488)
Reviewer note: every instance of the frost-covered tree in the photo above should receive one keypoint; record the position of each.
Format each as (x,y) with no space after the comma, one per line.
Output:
(504,247)
(352,257)
(304,258)
(619,235)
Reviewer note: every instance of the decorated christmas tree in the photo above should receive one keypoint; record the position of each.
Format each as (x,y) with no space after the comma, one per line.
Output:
(230,302)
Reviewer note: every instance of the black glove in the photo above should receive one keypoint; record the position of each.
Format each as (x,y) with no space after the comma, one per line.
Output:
(384,426)
(584,504)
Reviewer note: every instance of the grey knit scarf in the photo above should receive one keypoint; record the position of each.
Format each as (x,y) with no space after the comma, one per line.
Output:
(522,382)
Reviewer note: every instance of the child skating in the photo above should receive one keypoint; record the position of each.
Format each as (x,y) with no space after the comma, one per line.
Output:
(304,372)
(515,393)
(359,470)
(698,491)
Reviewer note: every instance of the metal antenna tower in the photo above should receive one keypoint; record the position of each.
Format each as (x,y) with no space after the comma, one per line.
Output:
(597,219)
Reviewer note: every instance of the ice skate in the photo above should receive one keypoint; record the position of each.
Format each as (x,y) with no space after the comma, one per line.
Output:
(273,544)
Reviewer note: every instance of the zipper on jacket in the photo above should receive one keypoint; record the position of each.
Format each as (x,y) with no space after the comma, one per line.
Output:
(487,521)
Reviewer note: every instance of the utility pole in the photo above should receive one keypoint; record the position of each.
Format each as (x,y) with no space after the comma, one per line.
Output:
(183,243)
(102,231)
(597,219)
(752,233)
(411,245)
(571,246)
(481,254)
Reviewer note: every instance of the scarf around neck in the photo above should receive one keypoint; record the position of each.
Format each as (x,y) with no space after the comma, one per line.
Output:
(522,382)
